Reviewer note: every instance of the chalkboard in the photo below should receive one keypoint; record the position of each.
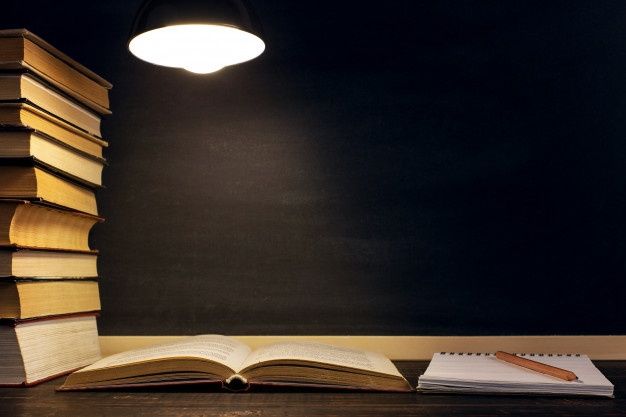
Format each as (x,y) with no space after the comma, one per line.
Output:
(390,168)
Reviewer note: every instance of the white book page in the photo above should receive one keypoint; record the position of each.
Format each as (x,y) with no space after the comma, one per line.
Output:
(220,349)
(322,353)
(489,369)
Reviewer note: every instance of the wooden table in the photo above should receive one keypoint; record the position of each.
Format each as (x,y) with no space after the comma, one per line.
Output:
(43,400)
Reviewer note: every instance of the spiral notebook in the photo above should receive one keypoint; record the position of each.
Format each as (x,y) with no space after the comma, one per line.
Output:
(482,373)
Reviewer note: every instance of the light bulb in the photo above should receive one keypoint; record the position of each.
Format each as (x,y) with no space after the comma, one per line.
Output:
(203,68)
(197,48)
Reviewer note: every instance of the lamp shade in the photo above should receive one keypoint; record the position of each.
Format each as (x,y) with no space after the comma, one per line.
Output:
(199,36)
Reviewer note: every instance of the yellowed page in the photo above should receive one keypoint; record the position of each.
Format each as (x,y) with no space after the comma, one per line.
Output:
(322,353)
(220,349)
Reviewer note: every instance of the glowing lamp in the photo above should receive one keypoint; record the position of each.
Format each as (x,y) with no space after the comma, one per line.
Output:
(199,36)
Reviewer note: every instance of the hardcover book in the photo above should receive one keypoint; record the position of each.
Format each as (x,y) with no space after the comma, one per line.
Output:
(30,146)
(24,115)
(46,264)
(26,87)
(23,50)
(224,361)
(33,183)
(50,164)
(34,226)
(34,351)
(30,298)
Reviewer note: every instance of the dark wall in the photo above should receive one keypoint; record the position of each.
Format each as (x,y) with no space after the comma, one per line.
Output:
(402,167)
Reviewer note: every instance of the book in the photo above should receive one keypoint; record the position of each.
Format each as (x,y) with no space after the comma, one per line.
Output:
(45,264)
(25,87)
(24,115)
(23,50)
(33,351)
(50,163)
(221,360)
(34,226)
(26,299)
(27,144)
(29,182)
(483,373)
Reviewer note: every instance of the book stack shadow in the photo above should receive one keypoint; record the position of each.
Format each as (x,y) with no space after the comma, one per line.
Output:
(51,162)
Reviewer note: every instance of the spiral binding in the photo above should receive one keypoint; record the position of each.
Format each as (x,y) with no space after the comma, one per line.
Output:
(517,354)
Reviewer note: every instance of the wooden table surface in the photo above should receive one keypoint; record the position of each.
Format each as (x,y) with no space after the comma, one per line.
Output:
(42,400)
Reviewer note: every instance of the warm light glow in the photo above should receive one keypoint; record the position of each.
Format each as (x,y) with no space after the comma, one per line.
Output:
(197,48)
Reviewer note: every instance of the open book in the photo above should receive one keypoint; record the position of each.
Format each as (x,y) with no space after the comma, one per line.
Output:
(224,360)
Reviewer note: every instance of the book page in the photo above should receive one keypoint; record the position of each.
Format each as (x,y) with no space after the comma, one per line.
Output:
(487,368)
(484,373)
(322,353)
(220,349)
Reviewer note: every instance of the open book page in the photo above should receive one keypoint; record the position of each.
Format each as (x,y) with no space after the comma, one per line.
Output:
(220,349)
(321,353)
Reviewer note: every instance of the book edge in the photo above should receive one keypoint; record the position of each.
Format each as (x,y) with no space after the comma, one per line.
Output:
(25,33)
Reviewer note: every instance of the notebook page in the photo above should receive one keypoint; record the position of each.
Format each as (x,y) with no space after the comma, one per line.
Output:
(485,368)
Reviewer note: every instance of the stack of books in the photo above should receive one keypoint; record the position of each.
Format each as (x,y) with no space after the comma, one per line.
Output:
(50,166)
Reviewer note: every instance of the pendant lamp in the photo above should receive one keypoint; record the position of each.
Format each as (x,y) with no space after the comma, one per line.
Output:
(199,36)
